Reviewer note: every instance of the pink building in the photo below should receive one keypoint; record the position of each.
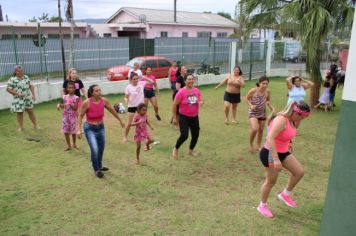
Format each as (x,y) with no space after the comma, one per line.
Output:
(48,29)
(151,23)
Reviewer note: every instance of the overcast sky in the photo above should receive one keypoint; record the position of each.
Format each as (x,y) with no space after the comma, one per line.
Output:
(23,10)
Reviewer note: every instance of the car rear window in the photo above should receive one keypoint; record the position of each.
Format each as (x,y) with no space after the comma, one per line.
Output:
(164,63)
(133,61)
(150,63)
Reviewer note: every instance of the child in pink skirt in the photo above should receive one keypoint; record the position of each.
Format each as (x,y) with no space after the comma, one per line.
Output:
(72,76)
(69,119)
(140,120)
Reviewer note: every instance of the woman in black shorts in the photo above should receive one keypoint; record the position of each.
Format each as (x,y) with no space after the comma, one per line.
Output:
(149,91)
(134,95)
(232,97)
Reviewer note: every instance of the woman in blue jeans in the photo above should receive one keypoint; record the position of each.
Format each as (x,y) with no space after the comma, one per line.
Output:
(94,129)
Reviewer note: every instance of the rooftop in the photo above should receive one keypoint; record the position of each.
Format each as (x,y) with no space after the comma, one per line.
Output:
(183,17)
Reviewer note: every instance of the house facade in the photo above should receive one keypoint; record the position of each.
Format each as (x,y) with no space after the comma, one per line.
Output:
(152,23)
(133,23)
(8,30)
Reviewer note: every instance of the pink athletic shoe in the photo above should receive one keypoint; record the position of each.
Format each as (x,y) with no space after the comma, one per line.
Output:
(287,200)
(263,209)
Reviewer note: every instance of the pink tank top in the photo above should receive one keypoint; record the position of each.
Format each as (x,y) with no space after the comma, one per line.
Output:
(283,139)
(174,74)
(95,112)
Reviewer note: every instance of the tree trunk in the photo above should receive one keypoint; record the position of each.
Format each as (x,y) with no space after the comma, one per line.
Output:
(313,68)
(314,93)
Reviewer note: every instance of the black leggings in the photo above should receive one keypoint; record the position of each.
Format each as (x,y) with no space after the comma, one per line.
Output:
(185,123)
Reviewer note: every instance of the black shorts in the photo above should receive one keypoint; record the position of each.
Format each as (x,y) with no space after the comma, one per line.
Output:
(258,118)
(132,109)
(266,156)
(149,93)
(232,97)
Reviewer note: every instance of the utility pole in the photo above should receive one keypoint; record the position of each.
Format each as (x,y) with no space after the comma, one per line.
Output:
(241,19)
(61,40)
(70,18)
(175,11)
(1,18)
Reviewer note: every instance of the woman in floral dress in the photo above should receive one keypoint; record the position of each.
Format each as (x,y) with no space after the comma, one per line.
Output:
(20,87)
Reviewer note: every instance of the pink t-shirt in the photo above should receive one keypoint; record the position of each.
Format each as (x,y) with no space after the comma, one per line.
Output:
(149,85)
(135,93)
(174,74)
(189,101)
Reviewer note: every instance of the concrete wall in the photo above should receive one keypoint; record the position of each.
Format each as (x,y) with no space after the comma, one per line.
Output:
(291,72)
(50,91)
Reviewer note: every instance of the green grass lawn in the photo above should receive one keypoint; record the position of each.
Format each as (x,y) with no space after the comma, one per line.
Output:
(46,191)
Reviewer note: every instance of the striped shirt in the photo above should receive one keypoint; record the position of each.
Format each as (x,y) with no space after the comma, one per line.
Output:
(259,101)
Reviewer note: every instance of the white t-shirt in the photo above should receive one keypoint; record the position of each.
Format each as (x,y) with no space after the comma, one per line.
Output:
(135,94)
(138,71)
(296,94)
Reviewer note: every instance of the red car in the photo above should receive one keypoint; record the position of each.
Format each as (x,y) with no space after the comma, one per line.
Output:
(159,65)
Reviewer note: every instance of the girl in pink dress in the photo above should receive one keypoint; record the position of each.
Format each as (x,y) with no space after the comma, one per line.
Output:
(69,105)
(78,85)
(140,120)
(134,95)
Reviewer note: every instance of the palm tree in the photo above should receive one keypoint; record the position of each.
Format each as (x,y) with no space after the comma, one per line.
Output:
(315,20)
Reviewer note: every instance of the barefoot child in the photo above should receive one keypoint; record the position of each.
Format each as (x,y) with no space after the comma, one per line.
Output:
(69,105)
(325,97)
(140,120)
(134,95)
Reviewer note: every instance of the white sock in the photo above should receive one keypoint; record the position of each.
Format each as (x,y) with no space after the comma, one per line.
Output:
(286,192)
(263,204)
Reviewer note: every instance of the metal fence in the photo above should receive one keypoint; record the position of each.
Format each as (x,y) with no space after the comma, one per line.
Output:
(290,55)
(46,61)
(251,57)
(93,56)
(193,52)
